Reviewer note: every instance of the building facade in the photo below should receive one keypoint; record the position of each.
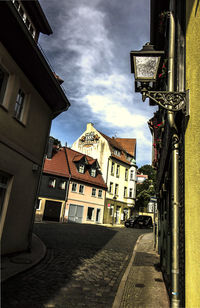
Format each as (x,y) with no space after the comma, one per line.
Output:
(72,189)
(175,29)
(116,157)
(30,97)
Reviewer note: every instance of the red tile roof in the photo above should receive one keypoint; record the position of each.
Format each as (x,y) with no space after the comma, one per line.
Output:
(61,166)
(85,177)
(125,145)
(57,165)
(129,144)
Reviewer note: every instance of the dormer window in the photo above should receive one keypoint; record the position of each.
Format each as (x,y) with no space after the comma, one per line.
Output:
(117,152)
(93,172)
(52,183)
(81,168)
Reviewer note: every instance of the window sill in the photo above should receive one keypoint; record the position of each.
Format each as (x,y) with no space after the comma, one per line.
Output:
(20,122)
(4,107)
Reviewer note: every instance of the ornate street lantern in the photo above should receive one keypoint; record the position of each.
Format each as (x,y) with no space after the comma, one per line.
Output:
(145,65)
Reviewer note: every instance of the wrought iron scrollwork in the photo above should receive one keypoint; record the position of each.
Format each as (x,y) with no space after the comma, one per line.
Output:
(172,101)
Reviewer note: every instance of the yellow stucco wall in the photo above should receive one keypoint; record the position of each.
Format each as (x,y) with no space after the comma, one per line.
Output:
(192,157)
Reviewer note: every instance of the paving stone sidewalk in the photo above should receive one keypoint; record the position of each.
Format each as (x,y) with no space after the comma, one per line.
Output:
(144,287)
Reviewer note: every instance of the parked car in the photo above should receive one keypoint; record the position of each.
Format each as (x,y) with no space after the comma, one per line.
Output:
(141,221)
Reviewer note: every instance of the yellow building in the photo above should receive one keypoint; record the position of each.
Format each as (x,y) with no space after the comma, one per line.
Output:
(30,97)
(116,157)
(192,156)
(175,28)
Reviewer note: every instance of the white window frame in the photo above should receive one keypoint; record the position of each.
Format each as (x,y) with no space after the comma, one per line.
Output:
(125,191)
(93,172)
(130,192)
(83,187)
(94,189)
(100,193)
(74,185)
(62,184)
(81,168)
(111,187)
(20,105)
(116,189)
(126,174)
(112,168)
(52,182)
(4,84)
(118,171)
(131,175)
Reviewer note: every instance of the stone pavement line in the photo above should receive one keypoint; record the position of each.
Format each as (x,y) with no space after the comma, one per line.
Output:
(120,291)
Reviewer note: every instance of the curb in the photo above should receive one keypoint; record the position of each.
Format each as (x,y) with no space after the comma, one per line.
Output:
(12,266)
(120,291)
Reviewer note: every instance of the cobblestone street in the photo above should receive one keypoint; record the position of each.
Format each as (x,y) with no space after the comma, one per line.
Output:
(82,268)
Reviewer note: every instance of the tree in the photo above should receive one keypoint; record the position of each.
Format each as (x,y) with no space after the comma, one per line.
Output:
(145,190)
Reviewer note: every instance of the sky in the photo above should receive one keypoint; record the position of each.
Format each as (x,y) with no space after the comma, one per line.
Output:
(90,50)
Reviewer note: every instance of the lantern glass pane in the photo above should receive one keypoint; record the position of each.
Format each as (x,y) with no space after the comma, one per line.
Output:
(146,67)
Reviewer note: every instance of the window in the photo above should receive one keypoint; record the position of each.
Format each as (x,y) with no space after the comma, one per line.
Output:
(112,168)
(125,192)
(90,213)
(74,187)
(93,192)
(100,193)
(117,171)
(4,179)
(3,83)
(62,184)
(52,183)
(93,172)
(126,174)
(116,189)
(81,189)
(132,175)
(111,187)
(19,105)
(130,192)
(81,168)
(111,210)
(117,152)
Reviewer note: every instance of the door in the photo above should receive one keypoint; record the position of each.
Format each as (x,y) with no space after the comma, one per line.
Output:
(52,210)
(118,212)
(75,213)
(98,215)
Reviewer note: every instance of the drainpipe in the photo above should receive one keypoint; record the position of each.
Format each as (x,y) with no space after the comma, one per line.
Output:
(175,167)
(67,188)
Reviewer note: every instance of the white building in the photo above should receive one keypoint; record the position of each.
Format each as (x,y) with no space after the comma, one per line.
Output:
(116,157)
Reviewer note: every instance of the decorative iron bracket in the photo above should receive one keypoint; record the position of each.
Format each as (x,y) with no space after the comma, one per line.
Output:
(172,101)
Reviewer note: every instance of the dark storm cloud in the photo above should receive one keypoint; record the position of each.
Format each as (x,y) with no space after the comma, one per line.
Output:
(90,49)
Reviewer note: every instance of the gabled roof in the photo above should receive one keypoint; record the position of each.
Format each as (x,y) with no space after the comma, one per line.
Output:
(129,144)
(57,165)
(63,163)
(124,145)
(85,177)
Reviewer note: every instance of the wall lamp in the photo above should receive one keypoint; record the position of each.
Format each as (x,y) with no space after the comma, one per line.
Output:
(145,64)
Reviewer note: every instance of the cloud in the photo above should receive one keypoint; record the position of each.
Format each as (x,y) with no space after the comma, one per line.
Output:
(90,50)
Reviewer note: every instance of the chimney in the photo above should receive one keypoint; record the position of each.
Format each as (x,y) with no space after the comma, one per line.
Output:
(89,126)
(50,147)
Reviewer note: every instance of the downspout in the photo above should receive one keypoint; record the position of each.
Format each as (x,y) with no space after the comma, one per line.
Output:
(67,187)
(175,166)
